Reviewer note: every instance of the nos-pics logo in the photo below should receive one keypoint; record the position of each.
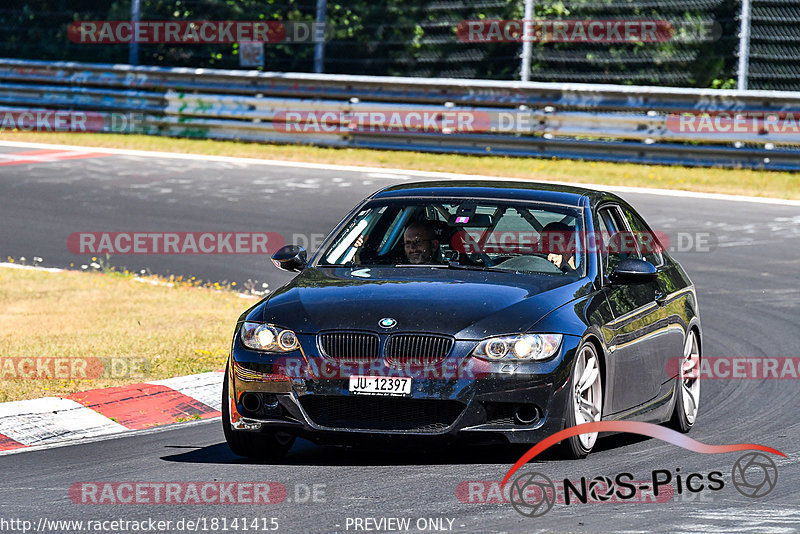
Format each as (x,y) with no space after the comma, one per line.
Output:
(533,494)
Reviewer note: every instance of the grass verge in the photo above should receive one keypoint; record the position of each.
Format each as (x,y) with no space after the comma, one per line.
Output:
(110,328)
(729,181)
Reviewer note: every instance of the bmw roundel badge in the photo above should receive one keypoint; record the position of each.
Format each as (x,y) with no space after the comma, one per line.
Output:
(387,322)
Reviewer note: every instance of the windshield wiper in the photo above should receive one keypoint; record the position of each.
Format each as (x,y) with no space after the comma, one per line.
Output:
(456,265)
(428,265)
(461,266)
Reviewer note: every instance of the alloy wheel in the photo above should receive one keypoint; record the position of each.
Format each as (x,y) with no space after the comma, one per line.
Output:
(690,377)
(588,397)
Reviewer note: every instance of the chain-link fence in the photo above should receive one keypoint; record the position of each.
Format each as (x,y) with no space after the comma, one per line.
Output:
(775,45)
(695,44)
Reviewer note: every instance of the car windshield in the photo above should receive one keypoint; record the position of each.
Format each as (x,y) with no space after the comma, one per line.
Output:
(461,234)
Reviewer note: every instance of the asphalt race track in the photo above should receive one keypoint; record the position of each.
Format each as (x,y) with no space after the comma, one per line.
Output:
(748,284)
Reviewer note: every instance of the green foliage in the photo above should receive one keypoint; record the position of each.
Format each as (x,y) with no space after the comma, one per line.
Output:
(408,38)
(730,83)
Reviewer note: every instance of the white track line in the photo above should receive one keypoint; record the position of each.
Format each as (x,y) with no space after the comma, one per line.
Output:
(381,172)
(121,435)
(203,387)
(52,420)
(44,158)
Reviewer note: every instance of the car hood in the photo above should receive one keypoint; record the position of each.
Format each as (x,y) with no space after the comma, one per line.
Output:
(465,304)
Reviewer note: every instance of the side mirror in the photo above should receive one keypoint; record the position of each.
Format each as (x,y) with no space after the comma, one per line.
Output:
(633,272)
(290,258)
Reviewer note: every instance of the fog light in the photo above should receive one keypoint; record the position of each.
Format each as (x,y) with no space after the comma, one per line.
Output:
(526,414)
(270,401)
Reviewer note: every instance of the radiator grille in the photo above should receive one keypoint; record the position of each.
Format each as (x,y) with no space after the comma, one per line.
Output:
(416,349)
(349,346)
(382,413)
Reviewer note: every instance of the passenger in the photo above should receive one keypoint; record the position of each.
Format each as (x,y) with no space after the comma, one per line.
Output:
(559,241)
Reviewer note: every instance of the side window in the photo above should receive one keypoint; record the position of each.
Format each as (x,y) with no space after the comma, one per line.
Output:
(601,236)
(343,245)
(613,241)
(645,238)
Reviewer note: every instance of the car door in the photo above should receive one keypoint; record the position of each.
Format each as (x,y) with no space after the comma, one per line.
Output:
(670,297)
(631,336)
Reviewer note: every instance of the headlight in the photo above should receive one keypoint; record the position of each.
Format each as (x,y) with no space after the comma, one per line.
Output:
(268,337)
(521,347)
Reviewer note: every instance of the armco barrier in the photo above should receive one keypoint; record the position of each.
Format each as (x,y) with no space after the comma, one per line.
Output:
(598,122)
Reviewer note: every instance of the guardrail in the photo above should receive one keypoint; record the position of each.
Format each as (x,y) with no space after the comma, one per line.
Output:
(599,122)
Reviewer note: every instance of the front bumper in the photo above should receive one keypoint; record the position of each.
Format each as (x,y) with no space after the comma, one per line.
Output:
(308,394)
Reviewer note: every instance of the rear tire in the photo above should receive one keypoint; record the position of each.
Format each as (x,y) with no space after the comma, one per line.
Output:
(585,400)
(264,445)
(687,386)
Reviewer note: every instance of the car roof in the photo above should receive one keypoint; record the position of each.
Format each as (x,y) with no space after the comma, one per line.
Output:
(495,189)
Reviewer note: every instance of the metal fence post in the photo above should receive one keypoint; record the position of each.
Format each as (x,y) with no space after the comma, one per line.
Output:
(133,46)
(527,45)
(744,45)
(319,46)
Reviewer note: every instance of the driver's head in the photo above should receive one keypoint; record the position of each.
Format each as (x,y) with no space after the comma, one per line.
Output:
(420,243)
(558,238)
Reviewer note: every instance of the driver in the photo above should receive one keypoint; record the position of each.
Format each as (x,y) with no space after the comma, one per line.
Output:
(420,243)
(559,239)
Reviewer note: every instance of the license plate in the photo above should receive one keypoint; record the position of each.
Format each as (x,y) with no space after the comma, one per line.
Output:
(380,385)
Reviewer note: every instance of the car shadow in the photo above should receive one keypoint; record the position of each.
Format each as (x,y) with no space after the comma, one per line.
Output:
(307,453)
(616,441)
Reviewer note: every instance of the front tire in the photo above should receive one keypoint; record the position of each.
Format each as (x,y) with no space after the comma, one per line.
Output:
(687,386)
(264,445)
(585,404)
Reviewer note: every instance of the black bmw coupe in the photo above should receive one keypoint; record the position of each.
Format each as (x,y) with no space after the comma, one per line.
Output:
(489,309)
